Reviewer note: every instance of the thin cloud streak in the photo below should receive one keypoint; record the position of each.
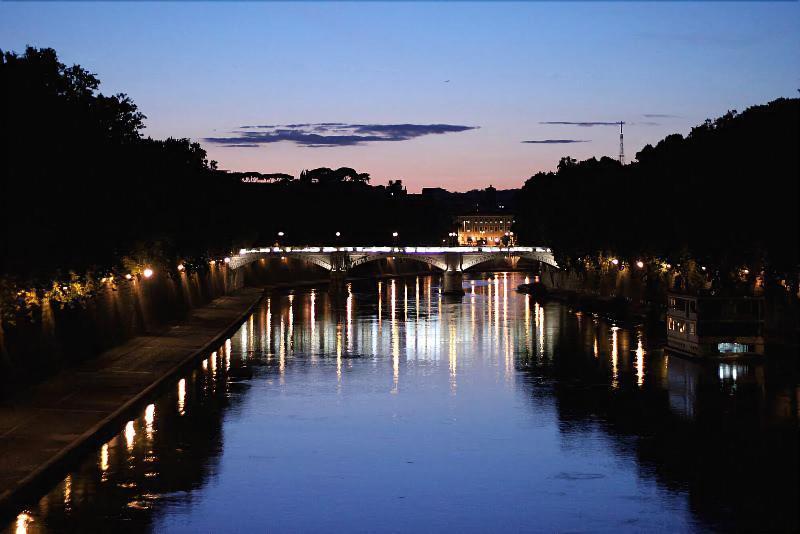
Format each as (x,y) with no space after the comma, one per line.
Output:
(332,134)
(585,124)
(556,141)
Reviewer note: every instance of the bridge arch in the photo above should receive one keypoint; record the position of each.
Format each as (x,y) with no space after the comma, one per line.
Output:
(320,260)
(476,259)
(436,261)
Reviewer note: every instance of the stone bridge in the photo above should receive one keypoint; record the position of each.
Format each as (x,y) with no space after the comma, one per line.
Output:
(453,261)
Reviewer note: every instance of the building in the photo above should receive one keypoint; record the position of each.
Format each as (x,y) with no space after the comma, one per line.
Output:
(715,325)
(484,229)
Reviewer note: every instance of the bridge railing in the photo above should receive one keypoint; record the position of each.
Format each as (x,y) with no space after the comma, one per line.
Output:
(386,250)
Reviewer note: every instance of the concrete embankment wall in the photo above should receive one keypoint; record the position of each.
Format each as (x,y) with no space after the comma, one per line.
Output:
(46,338)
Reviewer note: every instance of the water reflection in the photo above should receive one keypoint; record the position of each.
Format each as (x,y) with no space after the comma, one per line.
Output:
(493,411)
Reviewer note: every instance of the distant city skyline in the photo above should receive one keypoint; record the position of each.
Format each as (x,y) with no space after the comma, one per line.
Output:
(449,95)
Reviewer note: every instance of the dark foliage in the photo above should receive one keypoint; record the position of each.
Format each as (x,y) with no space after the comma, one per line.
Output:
(727,194)
(80,185)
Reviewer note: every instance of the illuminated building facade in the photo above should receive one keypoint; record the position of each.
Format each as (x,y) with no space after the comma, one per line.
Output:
(485,229)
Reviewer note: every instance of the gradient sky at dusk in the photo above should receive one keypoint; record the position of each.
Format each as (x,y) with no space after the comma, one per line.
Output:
(203,70)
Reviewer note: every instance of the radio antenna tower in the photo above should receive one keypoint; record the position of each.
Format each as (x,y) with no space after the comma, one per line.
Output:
(621,147)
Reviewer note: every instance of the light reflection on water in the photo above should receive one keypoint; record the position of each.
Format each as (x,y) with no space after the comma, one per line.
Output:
(395,408)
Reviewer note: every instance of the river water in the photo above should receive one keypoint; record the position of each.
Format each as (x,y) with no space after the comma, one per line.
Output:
(394,408)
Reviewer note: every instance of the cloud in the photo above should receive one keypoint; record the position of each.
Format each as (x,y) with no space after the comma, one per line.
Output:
(557,141)
(331,134)
(660,116)
(583,123)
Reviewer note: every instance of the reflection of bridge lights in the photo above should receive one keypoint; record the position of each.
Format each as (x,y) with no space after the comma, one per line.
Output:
(349,319)
(181,267)
(614,356)
(639,362)
(640,264)
(312,314)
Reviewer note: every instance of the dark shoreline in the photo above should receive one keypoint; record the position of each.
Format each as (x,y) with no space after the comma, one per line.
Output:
(15,490)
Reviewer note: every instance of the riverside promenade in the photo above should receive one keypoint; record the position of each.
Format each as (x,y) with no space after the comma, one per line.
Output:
(44,427)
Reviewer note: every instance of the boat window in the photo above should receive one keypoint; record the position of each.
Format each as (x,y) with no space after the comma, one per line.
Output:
(733,347)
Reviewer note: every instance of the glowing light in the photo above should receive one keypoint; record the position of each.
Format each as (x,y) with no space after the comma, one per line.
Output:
(640,362)
(640,264)
(703,267)
(614,357)
(128,276)
(213,262)
(227,259)
(130,434)
(181,396)
(280,234)
(104,457)
(149,418)
(181,267)
(615,261)
(148,272)
(394,234)
(23,520)
(68,492)
(338,234)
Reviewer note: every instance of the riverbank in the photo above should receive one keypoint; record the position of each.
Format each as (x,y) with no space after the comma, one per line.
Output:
(43,428)
(616,309)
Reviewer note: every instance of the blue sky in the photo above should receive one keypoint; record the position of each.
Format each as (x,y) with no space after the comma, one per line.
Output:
(202,70)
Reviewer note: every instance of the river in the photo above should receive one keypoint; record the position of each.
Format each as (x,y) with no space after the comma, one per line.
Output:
(394,408)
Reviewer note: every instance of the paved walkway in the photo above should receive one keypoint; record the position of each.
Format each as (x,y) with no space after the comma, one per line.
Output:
(41,428)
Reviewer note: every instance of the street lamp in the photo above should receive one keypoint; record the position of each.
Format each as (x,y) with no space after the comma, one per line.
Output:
(394,238)
(453,240)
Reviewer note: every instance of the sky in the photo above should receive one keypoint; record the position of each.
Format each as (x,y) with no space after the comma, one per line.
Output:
(454,95)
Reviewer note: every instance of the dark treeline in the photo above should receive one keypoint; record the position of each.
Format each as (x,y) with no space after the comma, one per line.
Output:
(725,194)
(82,188)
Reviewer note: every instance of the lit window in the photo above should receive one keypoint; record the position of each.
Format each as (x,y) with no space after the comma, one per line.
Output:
(733,347)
